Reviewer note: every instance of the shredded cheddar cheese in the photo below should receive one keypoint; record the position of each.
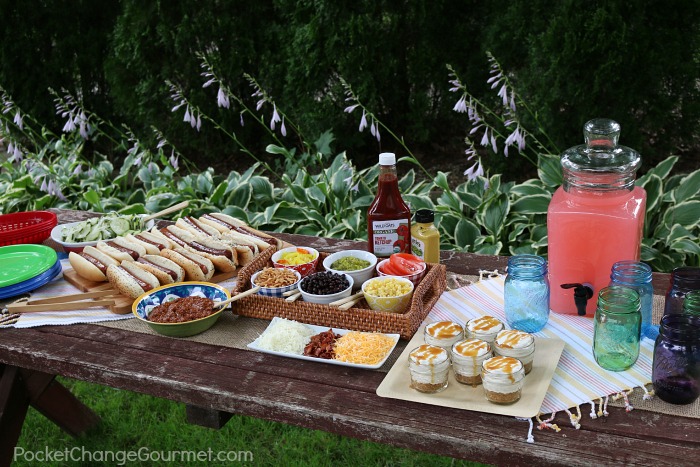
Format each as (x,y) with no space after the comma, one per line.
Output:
(363,347)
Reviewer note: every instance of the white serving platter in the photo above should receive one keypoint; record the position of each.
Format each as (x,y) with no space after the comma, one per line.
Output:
(318,329)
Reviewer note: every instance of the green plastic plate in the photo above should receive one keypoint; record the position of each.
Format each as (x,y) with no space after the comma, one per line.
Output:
(22,262)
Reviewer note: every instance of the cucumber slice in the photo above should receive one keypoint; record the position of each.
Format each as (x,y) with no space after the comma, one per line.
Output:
(120,225)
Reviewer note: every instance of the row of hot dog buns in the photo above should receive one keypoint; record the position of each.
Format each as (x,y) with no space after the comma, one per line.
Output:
(192,249)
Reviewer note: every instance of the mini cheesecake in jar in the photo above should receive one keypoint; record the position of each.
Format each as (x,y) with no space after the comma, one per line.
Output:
(516,344)
(429,366)
(503,379)
(467,357)
(484,328)
(443,334)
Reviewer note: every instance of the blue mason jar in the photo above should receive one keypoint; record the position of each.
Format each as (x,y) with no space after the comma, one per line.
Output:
(637,276)
(683,280)
(676,367)
(526,293)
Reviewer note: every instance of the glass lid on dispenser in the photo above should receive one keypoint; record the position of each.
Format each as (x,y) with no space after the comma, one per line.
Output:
(601,162)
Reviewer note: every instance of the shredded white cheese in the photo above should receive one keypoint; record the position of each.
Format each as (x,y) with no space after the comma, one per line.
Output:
(286,336)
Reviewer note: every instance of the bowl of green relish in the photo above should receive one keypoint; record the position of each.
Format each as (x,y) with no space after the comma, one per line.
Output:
(358,264)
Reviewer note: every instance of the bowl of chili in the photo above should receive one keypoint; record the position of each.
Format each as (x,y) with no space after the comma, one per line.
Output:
(182,309)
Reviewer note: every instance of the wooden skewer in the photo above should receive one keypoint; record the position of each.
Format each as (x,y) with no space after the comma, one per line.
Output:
(71,297)
(293,297)
(347,299)
(67,306)
(165,211)
(348,305)
(290,292)
(237,297)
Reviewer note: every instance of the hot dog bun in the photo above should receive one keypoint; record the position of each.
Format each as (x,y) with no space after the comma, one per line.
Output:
(224,257)
(121,249)
(125,278)
(231,226)
(150,242)
(91,263)
(197,268)
(165,270)
(244,249)
(196,227)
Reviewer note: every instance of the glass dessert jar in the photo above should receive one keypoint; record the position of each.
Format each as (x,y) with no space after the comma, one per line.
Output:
(443,334)
(676,367)
(526,293)
(594,219)
(616,328)
(637,275)
(484,328)
(516,344)
(429,366)
(683,280)
(503,379)
(467,358)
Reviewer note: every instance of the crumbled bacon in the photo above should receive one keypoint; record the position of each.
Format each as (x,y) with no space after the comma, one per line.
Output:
(321,345)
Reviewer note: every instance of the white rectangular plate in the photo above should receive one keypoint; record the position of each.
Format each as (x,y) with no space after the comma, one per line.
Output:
(318,329)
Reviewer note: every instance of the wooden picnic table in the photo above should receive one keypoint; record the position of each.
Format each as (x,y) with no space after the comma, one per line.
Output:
(215,381)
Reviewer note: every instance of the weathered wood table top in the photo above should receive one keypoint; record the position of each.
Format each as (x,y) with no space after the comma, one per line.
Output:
(339,399)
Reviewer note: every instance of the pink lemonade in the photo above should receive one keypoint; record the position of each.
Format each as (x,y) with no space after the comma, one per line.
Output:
(588,231)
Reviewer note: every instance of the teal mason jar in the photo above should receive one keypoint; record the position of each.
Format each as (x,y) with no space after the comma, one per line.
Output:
(617,328)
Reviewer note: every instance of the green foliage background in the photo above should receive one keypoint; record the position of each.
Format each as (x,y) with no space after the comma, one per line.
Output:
(636,62)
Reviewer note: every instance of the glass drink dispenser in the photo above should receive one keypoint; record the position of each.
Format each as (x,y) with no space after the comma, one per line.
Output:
(594,219)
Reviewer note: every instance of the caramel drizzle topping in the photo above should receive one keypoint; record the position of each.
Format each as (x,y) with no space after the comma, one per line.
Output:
(444,329)
(427,353)
(471,347)
(484,323)
(510,338)
(507,364)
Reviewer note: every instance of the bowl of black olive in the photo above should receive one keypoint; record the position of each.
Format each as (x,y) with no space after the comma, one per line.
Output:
(325,287)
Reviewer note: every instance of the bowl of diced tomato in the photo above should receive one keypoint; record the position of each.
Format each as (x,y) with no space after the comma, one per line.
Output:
(403,265)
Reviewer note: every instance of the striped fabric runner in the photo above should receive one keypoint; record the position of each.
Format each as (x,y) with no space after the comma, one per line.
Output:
(578,379)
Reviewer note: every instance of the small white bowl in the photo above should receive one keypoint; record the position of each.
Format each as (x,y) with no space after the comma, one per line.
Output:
(303,269)
(359,275)
(326,299)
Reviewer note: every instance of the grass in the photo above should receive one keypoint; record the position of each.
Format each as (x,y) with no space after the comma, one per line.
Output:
(131,421)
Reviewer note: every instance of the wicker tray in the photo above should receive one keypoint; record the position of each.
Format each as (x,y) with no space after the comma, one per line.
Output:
(358,318)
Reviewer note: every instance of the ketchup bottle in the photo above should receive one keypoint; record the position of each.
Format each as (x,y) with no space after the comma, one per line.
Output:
(388,217)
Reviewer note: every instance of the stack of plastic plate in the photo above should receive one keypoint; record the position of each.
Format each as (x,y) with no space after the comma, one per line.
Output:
(26,267)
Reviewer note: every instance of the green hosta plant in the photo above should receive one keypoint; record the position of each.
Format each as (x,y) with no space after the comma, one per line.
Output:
(672,223)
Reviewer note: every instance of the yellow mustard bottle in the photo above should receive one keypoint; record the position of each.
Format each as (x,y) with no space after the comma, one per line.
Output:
(425,237)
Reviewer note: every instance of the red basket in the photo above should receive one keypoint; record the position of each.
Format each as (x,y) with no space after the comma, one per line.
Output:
(26,227)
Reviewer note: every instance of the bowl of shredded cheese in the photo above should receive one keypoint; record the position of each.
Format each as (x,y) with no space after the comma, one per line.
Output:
(388,293)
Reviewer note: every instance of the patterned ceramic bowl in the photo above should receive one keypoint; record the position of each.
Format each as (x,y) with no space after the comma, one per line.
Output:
(395,304)
(275,291)
(303,269)
(415,278)
(143,306)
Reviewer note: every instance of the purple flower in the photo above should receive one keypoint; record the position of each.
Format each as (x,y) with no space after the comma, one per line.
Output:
(363,120)
(461,105)
(78,170)
(174,161)
(260,103)
(351,108)
(69,127)
(242,122)
(476,170)
(275,117)
(222,98)
(18,120)
(283,128)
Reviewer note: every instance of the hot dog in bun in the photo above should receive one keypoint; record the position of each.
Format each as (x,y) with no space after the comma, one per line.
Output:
(224,257)
(131,280)
(196,227)
(150,242)
(164,269)
(197,268)
(91,263)
(230,225)
(121,250)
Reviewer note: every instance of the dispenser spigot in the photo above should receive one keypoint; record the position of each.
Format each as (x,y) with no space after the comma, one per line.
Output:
(582,293)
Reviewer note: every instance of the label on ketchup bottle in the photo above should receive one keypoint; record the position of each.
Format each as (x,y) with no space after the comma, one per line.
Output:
(390,236)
